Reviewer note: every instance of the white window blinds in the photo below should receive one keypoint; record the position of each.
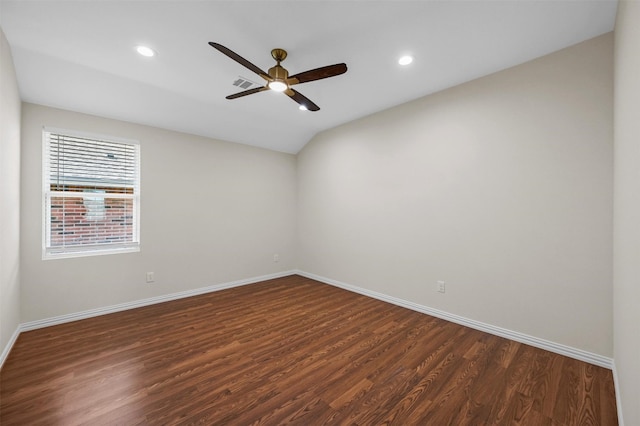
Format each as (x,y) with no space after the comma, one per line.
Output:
(91,194)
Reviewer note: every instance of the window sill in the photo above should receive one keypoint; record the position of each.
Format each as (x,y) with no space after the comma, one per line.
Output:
(85,252)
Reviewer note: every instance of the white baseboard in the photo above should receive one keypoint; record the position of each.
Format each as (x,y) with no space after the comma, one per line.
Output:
(7,348)
(617,389)
(32,325)
(558,348)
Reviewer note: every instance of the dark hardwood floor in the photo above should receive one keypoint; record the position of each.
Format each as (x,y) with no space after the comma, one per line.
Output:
(291,351)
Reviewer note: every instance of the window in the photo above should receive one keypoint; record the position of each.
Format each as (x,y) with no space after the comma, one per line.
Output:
(91,194)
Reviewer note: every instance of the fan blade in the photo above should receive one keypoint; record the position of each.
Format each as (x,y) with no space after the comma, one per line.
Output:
(247,92)
(239,59)
(318,74)
(302,99)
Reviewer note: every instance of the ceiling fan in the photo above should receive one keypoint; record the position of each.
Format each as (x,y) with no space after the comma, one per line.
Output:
(278,79)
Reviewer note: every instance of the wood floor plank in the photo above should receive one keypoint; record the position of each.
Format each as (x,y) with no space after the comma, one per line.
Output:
(291,351)
(498,396)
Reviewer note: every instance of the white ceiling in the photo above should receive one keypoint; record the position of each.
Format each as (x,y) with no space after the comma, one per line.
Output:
(79,55)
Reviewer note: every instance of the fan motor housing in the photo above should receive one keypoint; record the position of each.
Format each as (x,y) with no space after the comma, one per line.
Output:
(278,73)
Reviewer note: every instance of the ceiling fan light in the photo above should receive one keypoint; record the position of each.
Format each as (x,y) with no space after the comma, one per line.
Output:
(145,51)
(405,60)
(277,86)
(303,108)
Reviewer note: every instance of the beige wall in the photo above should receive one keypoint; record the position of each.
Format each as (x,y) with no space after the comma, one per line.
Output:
(212,212)
(501,187)
(626,287)
(9,197)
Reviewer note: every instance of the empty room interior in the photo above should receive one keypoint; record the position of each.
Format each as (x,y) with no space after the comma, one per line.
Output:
(320,212)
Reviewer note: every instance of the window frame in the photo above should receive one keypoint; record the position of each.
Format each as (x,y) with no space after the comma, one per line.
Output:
(84,250)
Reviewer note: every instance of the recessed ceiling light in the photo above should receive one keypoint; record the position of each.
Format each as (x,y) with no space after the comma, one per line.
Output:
(145,51)
(405,60)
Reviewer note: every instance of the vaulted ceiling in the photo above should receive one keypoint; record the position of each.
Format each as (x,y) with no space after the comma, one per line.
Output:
(80,55)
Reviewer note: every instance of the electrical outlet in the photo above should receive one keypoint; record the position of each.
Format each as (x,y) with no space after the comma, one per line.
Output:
(440,286)
(150,277)
(276,258)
